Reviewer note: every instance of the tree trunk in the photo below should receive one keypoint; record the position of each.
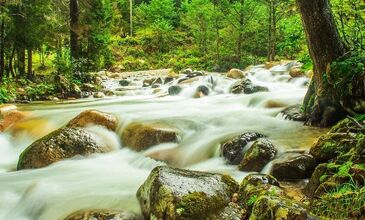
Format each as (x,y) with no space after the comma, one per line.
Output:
(10,64)
(240,34)
(21,61)
(74,29)
(2,45)
(272,31)
(320,104)
(30,63)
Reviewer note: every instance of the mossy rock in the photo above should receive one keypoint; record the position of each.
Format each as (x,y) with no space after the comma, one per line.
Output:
(233,149)
(247,87)
(140,136)
(260,153)
(61,144)
(255,185)
(273,207)
(294,167)
(103,215)
(171,193)
(294,113)
(331,145)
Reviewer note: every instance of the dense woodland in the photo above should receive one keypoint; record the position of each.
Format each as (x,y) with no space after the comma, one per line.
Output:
(42,39)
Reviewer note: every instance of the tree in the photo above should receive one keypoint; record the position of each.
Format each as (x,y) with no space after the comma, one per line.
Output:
(74,29)
(325,46)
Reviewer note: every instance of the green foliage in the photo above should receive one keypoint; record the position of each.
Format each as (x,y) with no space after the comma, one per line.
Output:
(41,90)
(344,202)
(252,200)
(5,95)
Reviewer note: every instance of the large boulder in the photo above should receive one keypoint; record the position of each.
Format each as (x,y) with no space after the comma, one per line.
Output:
(103,215)
(171,193)
(94,117)
(201,91)
(233,149)
(61,144)
(296,72)
(260,153)
(273,207)
(6,108)
(236,74)
(331,145)
(247,87)
(140,136)
(294,167)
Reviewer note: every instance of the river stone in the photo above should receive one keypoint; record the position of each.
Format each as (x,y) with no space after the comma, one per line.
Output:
(168,79)
(124,82)
(247,87)
(256,185)
(295,72)
(174,90)
(103,215)
(140,136)
(75,91)
(260,153)
(273,207)
(12,117)
(201,91)
(233,149)
(95,117)
(88,87)
(99,95)
(236,74)
(171,193)
(61,144)
(6,108)
(294,113)
(294,167)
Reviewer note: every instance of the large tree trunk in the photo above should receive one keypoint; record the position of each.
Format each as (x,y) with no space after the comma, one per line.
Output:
(21,61)
(2,45)
(272,31)
(30,63)
(320,104)
(74,29)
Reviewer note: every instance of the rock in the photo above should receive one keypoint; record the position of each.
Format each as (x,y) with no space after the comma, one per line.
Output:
(236,74)
(124,82)
(309,74)
(94,117)
(246,86)
(61,144)
(11,118)
(75,91)
(187,71)
(34,127)
(6,108)
(201,91)
(99,95)
(113,75)
(103,215)
(315,181)
(174,90)
(269,65)
(255,185)
(233,149)
(88,87)
(331,145)
(295,72)
(157,81)
(171,193)
(294,113)
(294,167)
(273,207)
(109,93)
(168,79)
(140,136)
(148,82)
(260,153)
(117,69)
(98,80)
(188,80)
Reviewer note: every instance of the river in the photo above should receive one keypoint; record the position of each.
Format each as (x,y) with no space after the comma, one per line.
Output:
(110,181)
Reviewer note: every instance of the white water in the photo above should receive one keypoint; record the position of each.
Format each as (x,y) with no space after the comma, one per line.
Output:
(111,180)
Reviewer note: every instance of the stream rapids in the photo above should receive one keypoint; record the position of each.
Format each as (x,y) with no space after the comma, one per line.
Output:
(110,181)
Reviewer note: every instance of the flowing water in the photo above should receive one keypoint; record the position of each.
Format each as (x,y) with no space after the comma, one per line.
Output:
(110,181)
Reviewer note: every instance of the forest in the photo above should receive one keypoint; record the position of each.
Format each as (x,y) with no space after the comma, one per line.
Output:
(182,109)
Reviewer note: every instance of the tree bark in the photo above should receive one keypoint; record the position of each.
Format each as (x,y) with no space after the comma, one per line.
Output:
(74,29)
(325,45)
(272,31)
(21,61)
(30,63)
(2,45)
